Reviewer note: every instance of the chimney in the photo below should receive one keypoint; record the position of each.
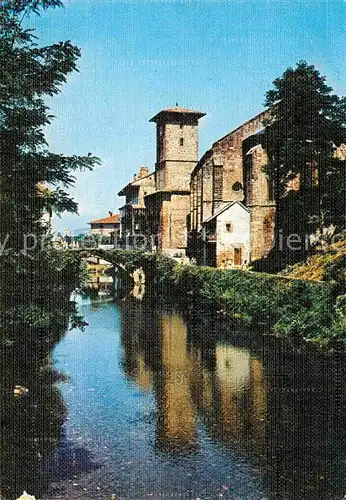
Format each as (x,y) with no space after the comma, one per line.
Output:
(134,177)
(143,172)
(110,213)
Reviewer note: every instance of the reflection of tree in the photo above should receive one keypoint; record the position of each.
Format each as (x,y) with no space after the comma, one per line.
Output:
(30,424)
(306,427)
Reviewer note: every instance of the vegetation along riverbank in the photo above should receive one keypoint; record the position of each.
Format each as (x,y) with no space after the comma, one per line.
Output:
(313,310)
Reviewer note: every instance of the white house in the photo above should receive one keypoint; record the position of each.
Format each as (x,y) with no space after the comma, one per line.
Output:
(226,236)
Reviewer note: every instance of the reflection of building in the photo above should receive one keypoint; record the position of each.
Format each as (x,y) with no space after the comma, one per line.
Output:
(107,226)
(221,383)
(259,399)
(177,154)
(133,213)
(242,401)
(233,367)
(177,428)
(137,359)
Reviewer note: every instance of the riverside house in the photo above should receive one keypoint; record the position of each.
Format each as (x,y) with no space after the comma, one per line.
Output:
(106,226)
(133,214)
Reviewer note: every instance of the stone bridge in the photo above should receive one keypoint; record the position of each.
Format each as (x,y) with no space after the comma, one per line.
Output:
(131,266)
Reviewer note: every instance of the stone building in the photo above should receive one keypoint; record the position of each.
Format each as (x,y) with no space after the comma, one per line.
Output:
(231,171)
(220,209)
(134,220)
(107,226)
(226,236)
(258,197)
(176,156)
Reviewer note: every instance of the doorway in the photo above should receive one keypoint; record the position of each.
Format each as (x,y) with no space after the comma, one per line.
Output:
(211,254)
(237,257)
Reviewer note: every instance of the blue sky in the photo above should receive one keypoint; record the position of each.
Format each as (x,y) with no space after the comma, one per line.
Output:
(215,56)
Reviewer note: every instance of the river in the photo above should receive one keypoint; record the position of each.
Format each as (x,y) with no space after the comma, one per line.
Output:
(158,407)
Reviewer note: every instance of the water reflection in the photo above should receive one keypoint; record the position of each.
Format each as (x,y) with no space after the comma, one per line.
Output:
(177,427)
(276,406)
(30,421)
(195,409)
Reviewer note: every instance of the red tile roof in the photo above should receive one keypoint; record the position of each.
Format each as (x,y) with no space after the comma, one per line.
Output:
(111,219)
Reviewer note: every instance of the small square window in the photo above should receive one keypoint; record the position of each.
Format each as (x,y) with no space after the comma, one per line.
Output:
(229,227)
(181,141)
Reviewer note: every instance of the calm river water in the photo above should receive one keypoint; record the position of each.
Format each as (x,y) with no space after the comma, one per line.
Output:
(161,408)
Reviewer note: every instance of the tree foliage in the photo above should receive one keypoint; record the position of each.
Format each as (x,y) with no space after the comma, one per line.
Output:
(33,179)
(305,126)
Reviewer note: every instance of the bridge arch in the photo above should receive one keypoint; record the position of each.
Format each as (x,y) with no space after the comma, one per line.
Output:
(131,267)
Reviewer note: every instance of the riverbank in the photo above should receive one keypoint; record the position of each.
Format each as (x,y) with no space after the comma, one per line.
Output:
(289,306)
(293,307)
(34,319)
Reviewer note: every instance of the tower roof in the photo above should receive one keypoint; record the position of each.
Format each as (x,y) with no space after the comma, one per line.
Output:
(174,112)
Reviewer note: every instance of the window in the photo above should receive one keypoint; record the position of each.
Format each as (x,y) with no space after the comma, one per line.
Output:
(237,186)
(270,189)
(229,227)
(181,141)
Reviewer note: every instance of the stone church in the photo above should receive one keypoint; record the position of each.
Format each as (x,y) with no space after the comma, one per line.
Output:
(193,197)
(218,209)
(176,156)
(220,232)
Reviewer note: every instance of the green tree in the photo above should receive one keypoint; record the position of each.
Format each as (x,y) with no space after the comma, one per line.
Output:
(305,126)
(33,179)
